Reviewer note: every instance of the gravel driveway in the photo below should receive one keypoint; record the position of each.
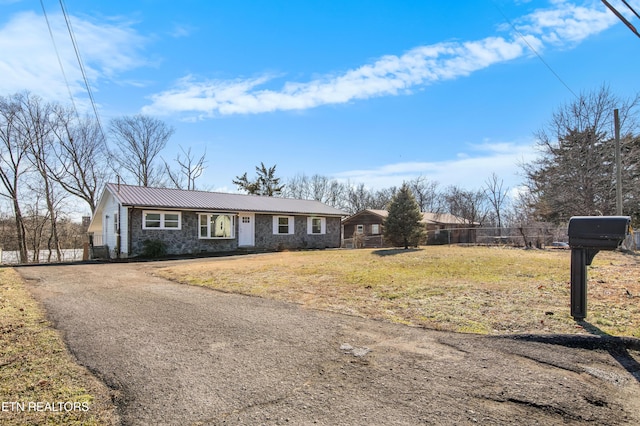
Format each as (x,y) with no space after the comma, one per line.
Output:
(179,355)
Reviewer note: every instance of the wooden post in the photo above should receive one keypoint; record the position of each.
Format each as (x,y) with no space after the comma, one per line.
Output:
(85,250)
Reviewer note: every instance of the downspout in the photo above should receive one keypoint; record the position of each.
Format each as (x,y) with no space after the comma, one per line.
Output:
(129,213)
(118,241)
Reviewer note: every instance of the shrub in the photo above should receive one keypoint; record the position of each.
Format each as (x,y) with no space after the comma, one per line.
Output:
(154,248)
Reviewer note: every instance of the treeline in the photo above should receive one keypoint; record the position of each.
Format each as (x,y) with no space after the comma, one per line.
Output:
(71,235)
(488,205)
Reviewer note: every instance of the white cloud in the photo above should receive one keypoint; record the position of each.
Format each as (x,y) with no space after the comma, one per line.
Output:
(469,169)
(563,25)
(567,23)
(29,61)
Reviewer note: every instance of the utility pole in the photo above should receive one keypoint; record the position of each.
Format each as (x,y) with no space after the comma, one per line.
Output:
(616,121)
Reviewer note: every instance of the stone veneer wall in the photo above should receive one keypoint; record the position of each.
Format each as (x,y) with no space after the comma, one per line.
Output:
(266,239)
(186,241)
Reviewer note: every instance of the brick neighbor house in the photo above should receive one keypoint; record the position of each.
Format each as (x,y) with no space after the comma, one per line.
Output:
(365,229)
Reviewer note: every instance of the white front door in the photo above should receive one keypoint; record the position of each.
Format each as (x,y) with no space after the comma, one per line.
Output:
(246,229)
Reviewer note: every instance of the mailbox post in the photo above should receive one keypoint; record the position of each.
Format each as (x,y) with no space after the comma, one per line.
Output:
(587,236)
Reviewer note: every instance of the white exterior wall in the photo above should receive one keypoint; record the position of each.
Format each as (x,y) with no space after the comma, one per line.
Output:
(113,211)
(108,234)
(124,231)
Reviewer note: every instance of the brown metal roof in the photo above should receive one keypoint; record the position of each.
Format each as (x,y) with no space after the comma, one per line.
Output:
(428,218)
(139,196)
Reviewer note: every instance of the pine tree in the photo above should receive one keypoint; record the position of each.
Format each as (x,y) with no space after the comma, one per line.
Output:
(266,182)
(403,226)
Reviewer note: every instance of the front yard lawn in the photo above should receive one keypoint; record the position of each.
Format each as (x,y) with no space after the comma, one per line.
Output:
(463,289)
(40,383)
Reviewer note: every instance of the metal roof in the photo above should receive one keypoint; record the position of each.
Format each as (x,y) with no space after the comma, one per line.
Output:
(167,198)
(428,218)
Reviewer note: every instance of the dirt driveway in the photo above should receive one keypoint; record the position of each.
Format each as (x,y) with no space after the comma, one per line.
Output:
(180,355)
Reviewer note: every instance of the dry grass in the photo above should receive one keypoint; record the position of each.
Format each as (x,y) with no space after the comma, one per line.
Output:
(35,367)
(463,289)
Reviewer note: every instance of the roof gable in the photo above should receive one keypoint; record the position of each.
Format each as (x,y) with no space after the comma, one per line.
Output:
(167,198)
(382,214)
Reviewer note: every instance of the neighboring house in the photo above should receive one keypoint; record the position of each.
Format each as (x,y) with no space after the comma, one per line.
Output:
(365,229)
(445,228)
(192,222)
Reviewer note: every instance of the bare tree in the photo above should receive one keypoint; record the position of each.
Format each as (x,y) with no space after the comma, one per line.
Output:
(520,215)
(81,168)
(426,194)
(467,204)
(325,190)
(381,198)
(496,195)
(189,169)
(13,163)
(36,219)
(358,198)
(575,172)
(37,121)
(316,187)
(138,142)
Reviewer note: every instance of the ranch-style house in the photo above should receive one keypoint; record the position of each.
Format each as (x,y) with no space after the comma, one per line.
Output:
(195,222)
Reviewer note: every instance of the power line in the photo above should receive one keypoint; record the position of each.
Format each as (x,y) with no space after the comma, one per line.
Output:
(630,8)
(55,47)
(534,50)
(82,70)
(622,18)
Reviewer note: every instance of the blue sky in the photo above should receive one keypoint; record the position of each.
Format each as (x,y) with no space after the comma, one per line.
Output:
(367,91)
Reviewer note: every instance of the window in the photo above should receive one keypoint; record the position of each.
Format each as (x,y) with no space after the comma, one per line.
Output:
(161,220)
(375,229)
(316,225)
(171,220)
(221,226)
(283,225)
(115,223)
(152,220)
(359,229)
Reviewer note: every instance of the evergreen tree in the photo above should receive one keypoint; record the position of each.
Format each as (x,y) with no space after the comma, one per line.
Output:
(265,183)
(403,226)
(575,172)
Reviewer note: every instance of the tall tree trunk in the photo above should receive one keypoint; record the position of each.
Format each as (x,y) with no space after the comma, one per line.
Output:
(20,232)
(53,239)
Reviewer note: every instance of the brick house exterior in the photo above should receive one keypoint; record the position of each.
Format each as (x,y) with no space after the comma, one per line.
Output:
(365,229)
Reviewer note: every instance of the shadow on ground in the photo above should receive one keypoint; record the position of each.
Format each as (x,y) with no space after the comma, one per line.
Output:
(394,251)
(618,347)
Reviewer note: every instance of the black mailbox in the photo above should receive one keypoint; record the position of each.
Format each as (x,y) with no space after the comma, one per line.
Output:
(587,236)
(598,232)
